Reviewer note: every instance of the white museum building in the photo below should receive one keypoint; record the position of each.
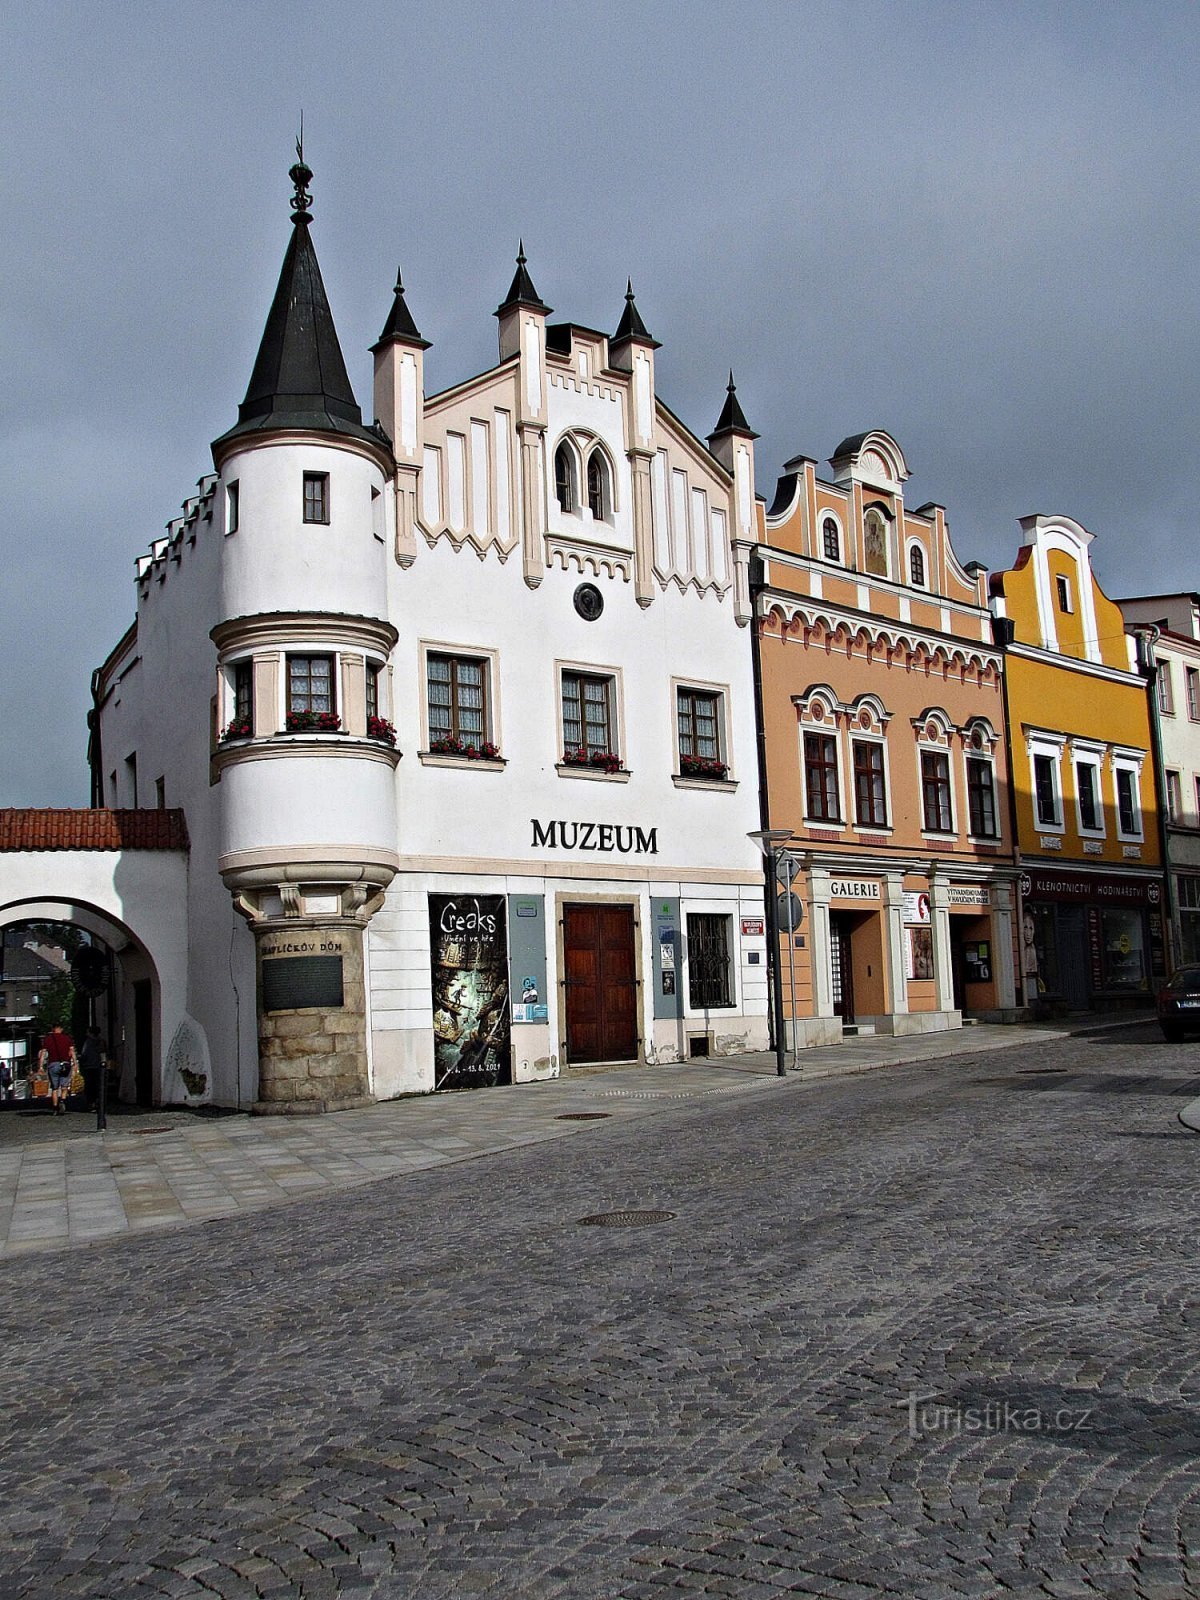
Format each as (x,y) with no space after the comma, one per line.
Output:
(458,706)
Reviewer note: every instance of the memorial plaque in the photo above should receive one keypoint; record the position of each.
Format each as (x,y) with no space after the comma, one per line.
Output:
(292,983)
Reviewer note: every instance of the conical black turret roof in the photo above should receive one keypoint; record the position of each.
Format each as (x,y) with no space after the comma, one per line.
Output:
(521,291)
(732,418)
(631,325)
(299,379)
(400,325)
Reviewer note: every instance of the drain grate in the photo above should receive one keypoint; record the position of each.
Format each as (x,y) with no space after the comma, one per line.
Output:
(148,1130)
(625,1219)
(582,1116)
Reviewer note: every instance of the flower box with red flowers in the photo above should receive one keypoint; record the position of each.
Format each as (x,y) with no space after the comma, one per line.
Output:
(380,728)
(602,760)
(313,722)
(449,744)
(239,728)
(702,767)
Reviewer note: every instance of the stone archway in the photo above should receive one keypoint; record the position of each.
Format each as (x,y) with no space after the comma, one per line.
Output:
(133,898)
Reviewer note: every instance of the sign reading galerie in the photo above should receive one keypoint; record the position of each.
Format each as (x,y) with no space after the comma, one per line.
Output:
(854,889)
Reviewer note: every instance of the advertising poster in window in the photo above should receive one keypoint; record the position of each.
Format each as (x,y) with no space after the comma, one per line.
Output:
(920,953)
(469,945)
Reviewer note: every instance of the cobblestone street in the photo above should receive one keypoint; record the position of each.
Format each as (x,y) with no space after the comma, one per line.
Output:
(929,1331)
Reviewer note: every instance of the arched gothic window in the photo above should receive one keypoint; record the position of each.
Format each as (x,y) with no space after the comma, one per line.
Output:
(564,477)
(599,491)
(829,532)
(916,565)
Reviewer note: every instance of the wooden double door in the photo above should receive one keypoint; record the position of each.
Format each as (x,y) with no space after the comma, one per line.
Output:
(600,973)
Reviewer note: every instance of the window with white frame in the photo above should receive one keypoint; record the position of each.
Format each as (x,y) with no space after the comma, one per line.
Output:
(700,728)
(243,694)
(1045,770)
(1174,796)
(1191,677)
(233,501)
(1087,794)
(589,720)
(1062,588)
(916,565)
(831,539)
(822,798)
(870,783)
(1166,688)
(936,808)
(1198,802)
(1126,777)
(982,816)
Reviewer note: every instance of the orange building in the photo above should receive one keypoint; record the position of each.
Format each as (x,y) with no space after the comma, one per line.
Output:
(884,754)
(1081,753)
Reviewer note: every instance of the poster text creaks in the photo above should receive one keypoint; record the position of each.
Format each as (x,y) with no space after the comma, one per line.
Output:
(607,837)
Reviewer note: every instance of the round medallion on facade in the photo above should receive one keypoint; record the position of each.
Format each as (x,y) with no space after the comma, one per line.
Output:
(589,602)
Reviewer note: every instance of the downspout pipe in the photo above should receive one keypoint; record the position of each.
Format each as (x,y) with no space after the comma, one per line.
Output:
(771,880)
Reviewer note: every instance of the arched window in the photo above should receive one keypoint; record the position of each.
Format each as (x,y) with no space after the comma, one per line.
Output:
(599,492)
(829,532)
(916,565)
(564,477)
(875,544)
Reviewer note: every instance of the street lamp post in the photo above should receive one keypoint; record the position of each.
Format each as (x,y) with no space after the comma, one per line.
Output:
(768,840)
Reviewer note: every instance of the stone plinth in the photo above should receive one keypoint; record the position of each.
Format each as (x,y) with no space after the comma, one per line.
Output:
(313,1057)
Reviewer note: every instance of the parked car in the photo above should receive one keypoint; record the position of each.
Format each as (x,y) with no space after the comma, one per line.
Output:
(1179,1004)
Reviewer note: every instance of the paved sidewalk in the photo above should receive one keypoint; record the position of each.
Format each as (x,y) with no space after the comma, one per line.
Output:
(64,1184)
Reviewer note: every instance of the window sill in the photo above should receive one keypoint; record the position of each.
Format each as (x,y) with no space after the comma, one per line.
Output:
(881,828)
(987,841)
(940,835)
(721,785)
(593,774)
(440,758)
(275,745)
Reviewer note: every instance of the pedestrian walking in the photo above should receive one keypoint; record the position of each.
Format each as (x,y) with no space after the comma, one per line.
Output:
(91,1064)
(57,1055)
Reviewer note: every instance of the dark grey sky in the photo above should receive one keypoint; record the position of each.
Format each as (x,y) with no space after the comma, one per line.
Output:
(974,225)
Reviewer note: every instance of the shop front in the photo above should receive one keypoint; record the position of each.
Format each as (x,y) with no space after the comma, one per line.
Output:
(1091,940)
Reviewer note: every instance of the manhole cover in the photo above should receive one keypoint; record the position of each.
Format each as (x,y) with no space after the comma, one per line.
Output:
(625,1219)
(581,1116)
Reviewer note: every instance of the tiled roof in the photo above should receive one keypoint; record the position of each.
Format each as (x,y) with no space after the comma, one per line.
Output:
(92,830)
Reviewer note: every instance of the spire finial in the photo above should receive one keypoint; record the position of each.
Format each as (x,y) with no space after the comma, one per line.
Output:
(399,289)
(301,176)
(629,291)
(731,387)
(520,252)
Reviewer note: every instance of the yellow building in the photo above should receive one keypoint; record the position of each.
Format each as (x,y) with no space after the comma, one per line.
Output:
(1082,770)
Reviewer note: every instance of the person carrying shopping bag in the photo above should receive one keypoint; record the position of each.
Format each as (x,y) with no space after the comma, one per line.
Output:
(57,1055)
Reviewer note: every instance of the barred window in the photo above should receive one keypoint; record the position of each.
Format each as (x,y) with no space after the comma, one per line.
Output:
(709,983)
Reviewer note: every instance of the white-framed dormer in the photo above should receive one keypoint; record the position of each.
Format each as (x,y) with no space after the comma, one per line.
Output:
(1127,793)
(1045,753)
(1087,769)
(935,773)
(1044,535)
(980,742)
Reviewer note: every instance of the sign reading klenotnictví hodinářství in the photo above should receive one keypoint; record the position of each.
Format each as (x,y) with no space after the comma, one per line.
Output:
(1095,887)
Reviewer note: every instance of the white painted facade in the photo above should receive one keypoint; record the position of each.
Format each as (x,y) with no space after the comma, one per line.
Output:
(453,542)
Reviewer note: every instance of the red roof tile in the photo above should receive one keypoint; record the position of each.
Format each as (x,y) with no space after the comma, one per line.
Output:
(92,830)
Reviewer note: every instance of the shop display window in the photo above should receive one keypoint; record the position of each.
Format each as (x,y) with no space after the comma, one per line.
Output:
(1122,940)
